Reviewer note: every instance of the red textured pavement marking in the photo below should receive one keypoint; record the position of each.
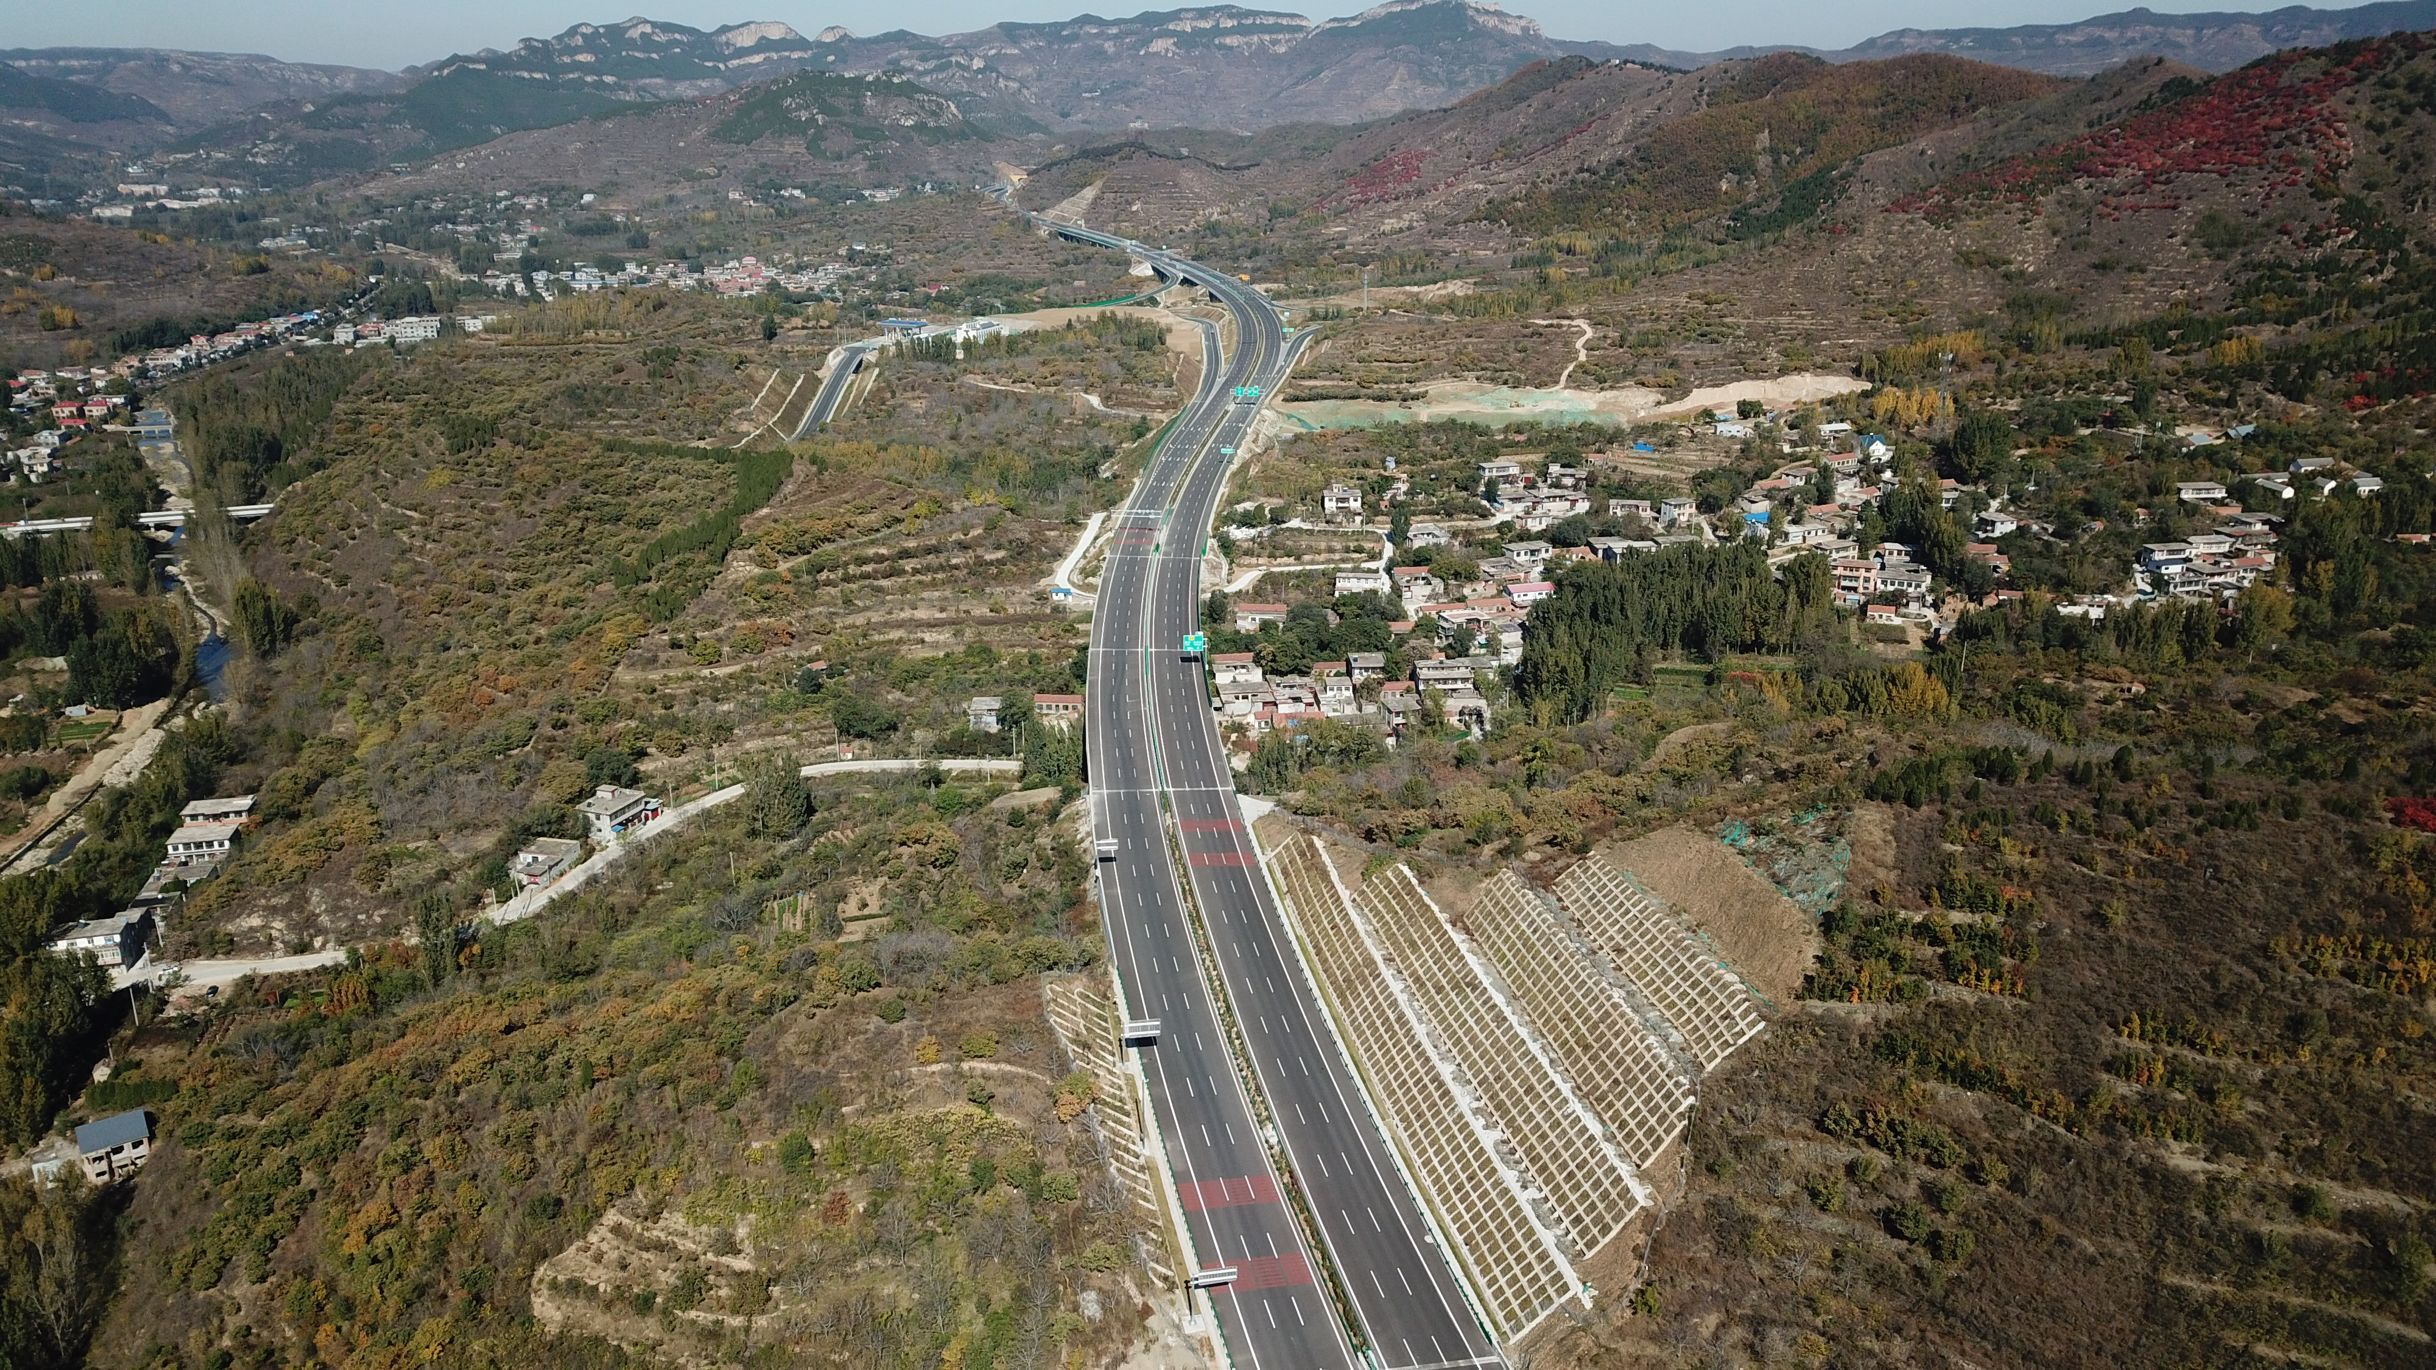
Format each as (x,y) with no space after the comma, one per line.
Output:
(1209,824)
(1220,858)
(1203,1195)
(1270,1272)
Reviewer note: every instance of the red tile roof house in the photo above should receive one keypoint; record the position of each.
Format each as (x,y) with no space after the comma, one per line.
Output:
(1249,617)
(1057,710)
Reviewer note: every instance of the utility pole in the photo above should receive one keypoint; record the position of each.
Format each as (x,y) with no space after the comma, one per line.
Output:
(1365,287)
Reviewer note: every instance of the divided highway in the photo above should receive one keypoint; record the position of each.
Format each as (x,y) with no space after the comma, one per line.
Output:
(832,390)
(1161,787)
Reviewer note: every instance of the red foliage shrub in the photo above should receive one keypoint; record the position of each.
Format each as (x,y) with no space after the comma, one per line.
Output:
(2276,118)
(2412,812)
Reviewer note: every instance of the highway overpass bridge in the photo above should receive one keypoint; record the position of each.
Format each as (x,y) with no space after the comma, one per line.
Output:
(151,518)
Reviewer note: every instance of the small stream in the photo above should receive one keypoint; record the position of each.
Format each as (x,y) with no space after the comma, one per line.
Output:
(212,653)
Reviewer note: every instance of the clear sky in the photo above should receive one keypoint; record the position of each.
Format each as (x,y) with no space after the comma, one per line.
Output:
(365,33)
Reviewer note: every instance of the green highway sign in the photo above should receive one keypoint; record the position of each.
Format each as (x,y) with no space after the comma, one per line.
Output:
(1196,642)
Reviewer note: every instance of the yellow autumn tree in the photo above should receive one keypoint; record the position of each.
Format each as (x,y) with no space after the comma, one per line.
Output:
(1910,408)
(1914,693)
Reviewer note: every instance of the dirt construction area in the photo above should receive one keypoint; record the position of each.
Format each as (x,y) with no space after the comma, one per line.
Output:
(1764,934)
(1476,402)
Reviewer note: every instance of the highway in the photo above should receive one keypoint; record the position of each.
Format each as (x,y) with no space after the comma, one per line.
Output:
(832,390)
(1161,786)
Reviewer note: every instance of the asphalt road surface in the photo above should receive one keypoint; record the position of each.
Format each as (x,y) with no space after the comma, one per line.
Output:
(1160,785)
(832,391)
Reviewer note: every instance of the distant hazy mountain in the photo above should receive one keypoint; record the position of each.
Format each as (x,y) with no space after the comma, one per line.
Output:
(1218,67)
(196,88)
(2211,42)
(1224,68)
(642,58)
(27,95)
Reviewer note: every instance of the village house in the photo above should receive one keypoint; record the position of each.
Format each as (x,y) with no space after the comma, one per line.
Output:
(1529,555)
(203,843)
(544,860)
(1856,579)
(1249,617)
(1341,503)
(1987,554)
(116,942)
(1468,709)
(1904,579)
(1613,549)
(1529,593)
(1497,571)
(614,811)
(2200,492)
(1061,711)
(1428,535)
(1401,704)
(1235,668)
(981,713)
(1363,667)
(235,809)
(1336,695)
(115,1147)
(1449,673)
(1240,699)
(1416,585)
(1362,583)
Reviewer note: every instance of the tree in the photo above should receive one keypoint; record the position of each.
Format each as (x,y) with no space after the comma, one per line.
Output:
(777,802)
(857,713)
(2263,617)
(769,327)
(56,1249)
(608,765)
(1981,445)
(435,925)
(264,622)
(1052,756)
